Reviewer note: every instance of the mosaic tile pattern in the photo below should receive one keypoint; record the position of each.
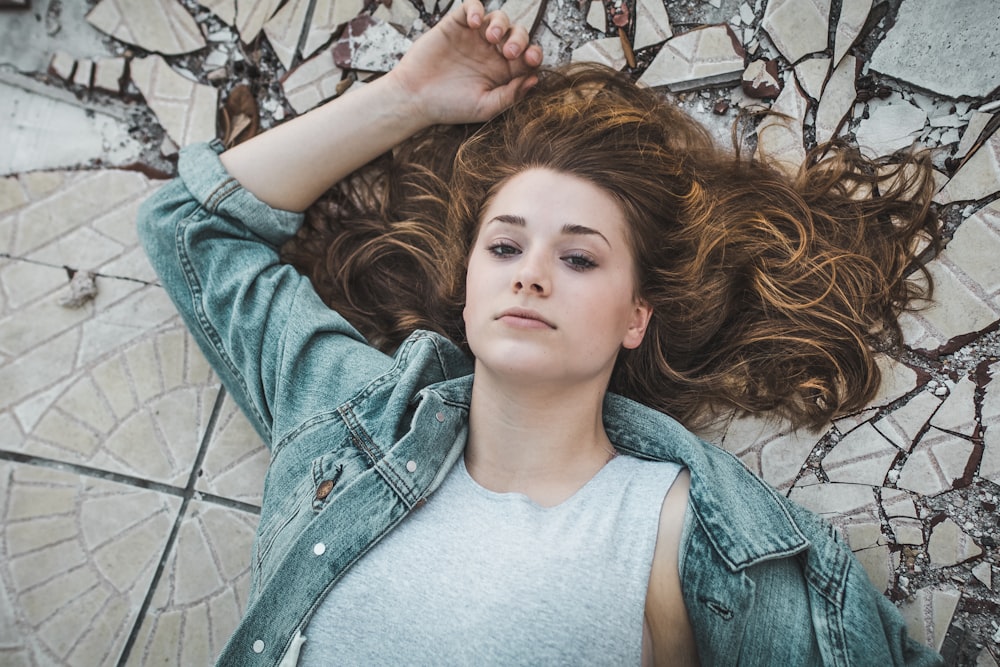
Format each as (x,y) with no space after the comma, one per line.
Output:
(129,481)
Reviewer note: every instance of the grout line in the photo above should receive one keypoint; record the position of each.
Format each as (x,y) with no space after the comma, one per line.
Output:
(70,270)
(188,493)
(18,457)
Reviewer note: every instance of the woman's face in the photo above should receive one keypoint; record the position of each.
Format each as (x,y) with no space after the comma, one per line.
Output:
(550,287)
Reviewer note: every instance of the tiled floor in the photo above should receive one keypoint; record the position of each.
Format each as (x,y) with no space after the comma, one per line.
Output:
(129,482)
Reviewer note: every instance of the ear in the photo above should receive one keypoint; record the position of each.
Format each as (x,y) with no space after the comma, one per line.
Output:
(638,321)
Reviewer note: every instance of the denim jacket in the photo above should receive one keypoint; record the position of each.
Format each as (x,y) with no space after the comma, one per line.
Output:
(359,439)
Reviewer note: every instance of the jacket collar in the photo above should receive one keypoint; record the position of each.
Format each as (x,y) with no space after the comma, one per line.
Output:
(745,519)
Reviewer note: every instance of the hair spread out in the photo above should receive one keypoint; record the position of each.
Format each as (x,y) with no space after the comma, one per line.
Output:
(769,292)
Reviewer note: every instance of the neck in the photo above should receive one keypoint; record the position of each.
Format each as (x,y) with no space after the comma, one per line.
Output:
(545,442)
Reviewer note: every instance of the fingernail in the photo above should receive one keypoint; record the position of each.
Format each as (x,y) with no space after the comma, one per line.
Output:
(513,50)
(496,33)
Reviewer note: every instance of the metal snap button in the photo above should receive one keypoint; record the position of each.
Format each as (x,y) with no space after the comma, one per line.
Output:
(319,548)
(411,466)
(258,646)
(439,416)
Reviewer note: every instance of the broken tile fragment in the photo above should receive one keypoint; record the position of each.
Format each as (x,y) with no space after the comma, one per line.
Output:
(401,13)
(897,503)
(935,464)
(933,43)
(185,108)
(163,26)
(853,14)
(527,13)
(907,531)
(837,101)
(983,572)
(989,467)
(779,137)
(224,9)
(949,545)
(797,27)
(83,74)
(284,29)
(966,285)
(652,25)
(861,457)
(877,563)
(958,412)
(902,426)
(108,73)
(978,177)
(597,16)
(607,51)
(889,128)
(62,65)
(833,499)
(928,614)
(327,17)
(706,56)
(312,82)
(760,79)
(811,75)
(251,15)
(370,45)
(976,124)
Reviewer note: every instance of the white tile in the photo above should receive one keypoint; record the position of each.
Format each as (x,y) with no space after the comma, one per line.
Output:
(704,56)
(163,26)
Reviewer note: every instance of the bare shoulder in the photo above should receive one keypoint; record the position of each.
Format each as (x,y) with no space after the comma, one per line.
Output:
(669,639)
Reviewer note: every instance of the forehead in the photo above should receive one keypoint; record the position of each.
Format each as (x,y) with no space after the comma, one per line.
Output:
(544,196)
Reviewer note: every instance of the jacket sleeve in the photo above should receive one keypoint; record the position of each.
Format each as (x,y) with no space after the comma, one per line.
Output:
(259,322)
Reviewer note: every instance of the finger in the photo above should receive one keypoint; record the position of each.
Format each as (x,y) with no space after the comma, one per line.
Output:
(497,25)
(533,56)
(472,11)
(516,42)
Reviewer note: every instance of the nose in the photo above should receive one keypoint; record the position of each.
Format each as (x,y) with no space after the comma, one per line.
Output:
(532,275)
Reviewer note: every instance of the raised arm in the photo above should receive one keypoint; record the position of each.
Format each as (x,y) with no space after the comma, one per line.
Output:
(466,69)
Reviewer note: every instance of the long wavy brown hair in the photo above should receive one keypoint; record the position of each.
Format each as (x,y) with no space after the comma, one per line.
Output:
(769,292)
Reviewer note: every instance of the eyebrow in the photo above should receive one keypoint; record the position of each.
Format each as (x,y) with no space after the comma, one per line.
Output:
(576,230)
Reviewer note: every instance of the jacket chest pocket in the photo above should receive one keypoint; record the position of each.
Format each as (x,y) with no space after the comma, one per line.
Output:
(324,478)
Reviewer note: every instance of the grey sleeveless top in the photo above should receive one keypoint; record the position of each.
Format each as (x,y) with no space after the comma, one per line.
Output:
(477,577)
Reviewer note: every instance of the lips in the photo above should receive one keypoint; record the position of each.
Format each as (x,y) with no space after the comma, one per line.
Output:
(525,317)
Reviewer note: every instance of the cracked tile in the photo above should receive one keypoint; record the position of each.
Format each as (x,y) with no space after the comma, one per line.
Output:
(949,545)
(163,26)
(853,14)
(811,75)
(889,128)
(597,16)
(975,126)
(779,138)
(958,412)
(185,108)
(761,79)
(607,51)
(224,9)
(984,573)
(861,457)
(928,614)
(312,82)
(966,285)
(797,27)
(769,447)
(837,100)
(527,13)
(652,25)
(251,15)
(902,426)
(203,592)
(936,463)
(978,177)
(285,28)
(236,459)
(328,16)
(951,35)
(108,74)
(907,531)
(80,554)
(707,56)
(57,132)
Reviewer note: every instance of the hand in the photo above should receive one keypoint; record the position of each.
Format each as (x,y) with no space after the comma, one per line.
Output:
(468,68)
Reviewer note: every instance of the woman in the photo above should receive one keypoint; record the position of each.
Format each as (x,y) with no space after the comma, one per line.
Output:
(432,508)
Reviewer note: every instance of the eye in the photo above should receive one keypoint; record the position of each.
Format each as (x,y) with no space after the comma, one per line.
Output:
(502,248)
(579,262)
